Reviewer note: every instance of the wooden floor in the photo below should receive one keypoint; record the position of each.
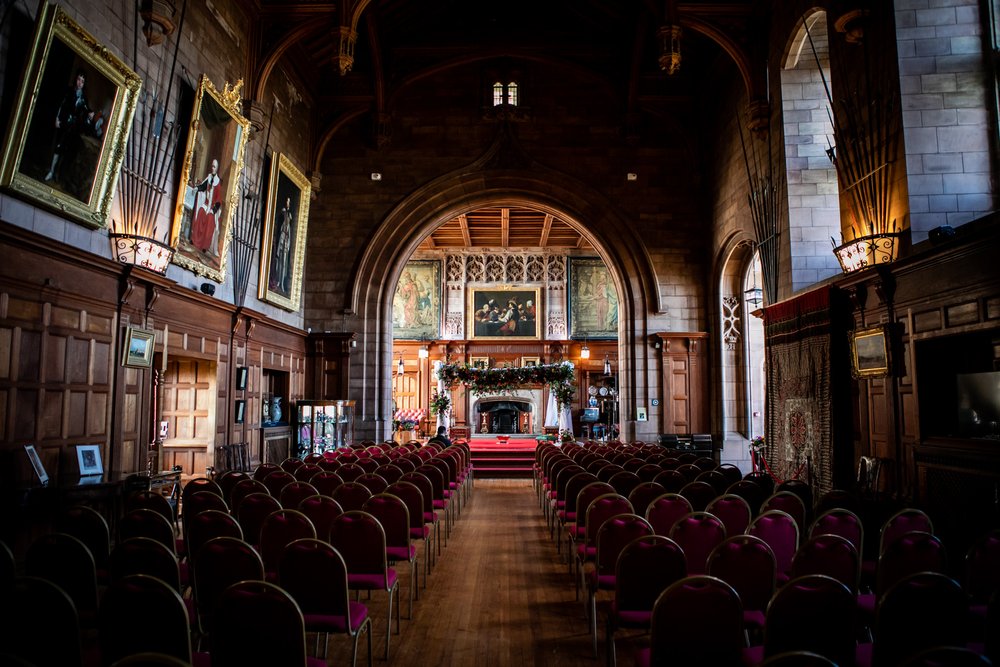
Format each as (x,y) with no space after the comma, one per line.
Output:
(499,595)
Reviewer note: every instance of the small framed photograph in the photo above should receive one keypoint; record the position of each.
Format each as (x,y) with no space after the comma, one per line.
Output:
(530,361)
(240,411)
(36,464)
(479,362)
(640,414)
(70,121)
(138,348)
(241,378)
(870,353)
(89,459)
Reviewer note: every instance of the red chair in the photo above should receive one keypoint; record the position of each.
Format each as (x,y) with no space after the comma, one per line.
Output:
(781,532)
(598,511)
(305,472)
(321,510)
(419,529)
(295,492)
(733,511)
(842,522)
(209,524)
(430,514)
(716,479)
(147,523)
(646,567)
(920,611)
(228,480)
(242,489)
(315,575)
(360,539)
(698,534)
(624,482)
(568,514)
(141,555)
(830,555)
(750,491)
(67,562)
(278,480)
(902,522)
(643,495)
(263,470)
(326,481)
(671,480)
(87,525)
(389,472)
(664,511)
(747,564)
(648,471)
(220,562)
(352,495)
(615,532)
(291,464)
(270,616)
(39,624)
(281,528)
(350,471)
(392,512)
(197,484)
(440,494)
(791,504)
(252,511)
(373,482)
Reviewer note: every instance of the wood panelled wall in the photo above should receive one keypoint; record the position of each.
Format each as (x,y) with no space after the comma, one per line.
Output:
(63,317)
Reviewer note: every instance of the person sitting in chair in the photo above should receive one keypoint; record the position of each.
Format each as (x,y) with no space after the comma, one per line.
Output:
(441,438)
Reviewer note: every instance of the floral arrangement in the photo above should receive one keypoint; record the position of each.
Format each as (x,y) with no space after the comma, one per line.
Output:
(404,424)
(566,435)
(559,377)
(757,444)
(440,403)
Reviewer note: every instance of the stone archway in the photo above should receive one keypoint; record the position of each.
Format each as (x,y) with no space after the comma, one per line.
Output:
(478,186)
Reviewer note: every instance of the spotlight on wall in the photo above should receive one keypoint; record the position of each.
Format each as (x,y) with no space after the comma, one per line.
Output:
(400,368)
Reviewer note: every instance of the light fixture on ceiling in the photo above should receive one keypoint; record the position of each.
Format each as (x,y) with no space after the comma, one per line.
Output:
(865,251)
(400,368)
(607,365)
(670,48)
(585,351)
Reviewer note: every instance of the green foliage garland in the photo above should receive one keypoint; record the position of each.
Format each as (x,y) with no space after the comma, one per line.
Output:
(559,378)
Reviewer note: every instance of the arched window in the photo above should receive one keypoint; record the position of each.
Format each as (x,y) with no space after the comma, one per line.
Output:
(498,94)
(505,93)
(512,93)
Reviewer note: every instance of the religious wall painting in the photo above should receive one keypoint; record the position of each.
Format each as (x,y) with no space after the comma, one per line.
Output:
(70,122)
(283,250)
(416,305)
(593,301)
(502,313)
(209,185)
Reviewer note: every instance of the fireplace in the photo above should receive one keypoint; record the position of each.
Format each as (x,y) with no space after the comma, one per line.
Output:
(505,416)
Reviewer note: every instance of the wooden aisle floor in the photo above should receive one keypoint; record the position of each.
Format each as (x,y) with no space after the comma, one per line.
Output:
(499,595)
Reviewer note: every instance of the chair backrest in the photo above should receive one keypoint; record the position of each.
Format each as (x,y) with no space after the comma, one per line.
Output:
(252,511)
(831,555)
(437,479)
(352,495)
(242,489)
(205,525)
(142,613)
(624,482)
(87,525)
(291,464)
(697,621)
(665,510)
(142,555)
(321,510)
(572,491)
(733,511)
(279,529)
(672,480)
(220,562)
(803,490)
(644,494)
(747,564)
(373,482)
(698,534)
(648,471)
(750,491)
(982,567)
(842,522)
(919,611)
(410,494)
(812,613)
(699,493)
(265,613)
(763,480)
(731,473)
(277,480)
(607,472)
(908,554)
(781,532)
(390,472)
(305,472)
(315,575)
(39,624)
(230,478)
(838,499)
(264,469)
(613,535)
(151,500)
(902,522)
(392,512)
(646,567)
(196,484)
(789,503)
(360,539)
(689,470)
(600,510)
(147,523)
(294,492)
(420,481)
(326,481)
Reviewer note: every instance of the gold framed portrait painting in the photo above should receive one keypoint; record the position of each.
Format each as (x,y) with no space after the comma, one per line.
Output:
(209,185)
(283,251)
(70,122)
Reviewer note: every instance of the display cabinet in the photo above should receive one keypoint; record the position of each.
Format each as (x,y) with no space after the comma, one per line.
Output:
(323,426)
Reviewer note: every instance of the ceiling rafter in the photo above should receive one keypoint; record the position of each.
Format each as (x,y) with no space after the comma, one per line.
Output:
(504,227)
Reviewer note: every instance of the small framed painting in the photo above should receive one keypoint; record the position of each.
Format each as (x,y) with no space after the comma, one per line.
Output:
(530,361)
(283,251)
(479,362)
(138,348)
(240,411)
(870,353)
(89,459)
(70,122)
(36,464)
(241,378)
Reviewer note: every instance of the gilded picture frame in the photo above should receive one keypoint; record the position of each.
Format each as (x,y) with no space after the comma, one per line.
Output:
(417,303)
(504,313)
(283,250)
(479,362)
(870,353)
(208,189)
(139,344)
(593,300)
(70,122)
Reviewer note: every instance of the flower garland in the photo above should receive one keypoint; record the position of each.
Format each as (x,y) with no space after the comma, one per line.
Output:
(440,403)
(559,378)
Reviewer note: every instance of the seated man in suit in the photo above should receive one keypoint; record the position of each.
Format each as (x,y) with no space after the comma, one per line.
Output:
(441,438)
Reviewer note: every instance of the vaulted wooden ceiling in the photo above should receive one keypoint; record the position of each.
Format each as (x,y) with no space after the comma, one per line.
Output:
(506,227)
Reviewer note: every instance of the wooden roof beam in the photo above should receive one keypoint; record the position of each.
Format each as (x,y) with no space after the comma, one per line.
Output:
(546,228)
(463,224)
(504,227)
